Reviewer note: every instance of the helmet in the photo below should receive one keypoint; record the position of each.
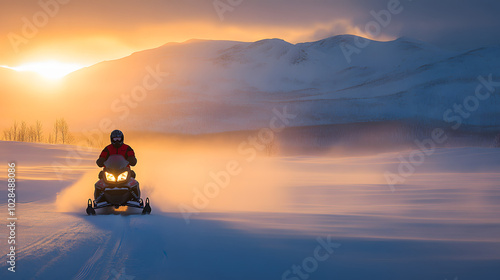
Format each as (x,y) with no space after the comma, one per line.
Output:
(116,138)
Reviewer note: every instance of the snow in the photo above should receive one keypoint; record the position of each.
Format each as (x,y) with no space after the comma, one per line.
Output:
(235,85)
(441,223)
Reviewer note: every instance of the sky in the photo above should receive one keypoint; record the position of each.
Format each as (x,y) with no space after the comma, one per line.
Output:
(89,31)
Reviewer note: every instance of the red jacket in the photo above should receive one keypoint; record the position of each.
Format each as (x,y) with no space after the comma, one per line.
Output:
(124,150)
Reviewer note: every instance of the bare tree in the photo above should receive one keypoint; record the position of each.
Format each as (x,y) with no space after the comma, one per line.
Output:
(65,137)
(12,133)
(22,132)
(34,133)
(56,130)
(51,139)
(15,128)
(7,134)
(38,131)
(61,132)
(31,134)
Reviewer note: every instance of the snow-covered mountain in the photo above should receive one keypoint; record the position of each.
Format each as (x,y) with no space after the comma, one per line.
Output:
(215,86)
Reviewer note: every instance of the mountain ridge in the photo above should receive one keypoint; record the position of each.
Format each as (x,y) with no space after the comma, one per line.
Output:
(214,86)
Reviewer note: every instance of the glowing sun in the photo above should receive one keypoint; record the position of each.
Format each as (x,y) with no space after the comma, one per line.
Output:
(53,70)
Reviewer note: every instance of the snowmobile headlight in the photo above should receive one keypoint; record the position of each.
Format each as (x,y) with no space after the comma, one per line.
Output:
(123,176)
(110,177)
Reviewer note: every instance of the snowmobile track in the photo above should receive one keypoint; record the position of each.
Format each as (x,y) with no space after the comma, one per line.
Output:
(106,257)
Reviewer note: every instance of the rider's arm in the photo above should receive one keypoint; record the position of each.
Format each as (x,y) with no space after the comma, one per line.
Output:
(132,161)
(102,158)
(100,162)
(130,156)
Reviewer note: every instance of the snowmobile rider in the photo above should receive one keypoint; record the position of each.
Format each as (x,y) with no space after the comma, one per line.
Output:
(117,148)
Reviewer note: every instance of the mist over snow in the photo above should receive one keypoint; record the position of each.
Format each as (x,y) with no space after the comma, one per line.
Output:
(441,223)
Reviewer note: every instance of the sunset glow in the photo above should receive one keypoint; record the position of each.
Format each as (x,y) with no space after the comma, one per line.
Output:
(52,70)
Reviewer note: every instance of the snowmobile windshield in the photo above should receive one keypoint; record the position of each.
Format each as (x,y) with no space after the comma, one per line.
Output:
(116,163)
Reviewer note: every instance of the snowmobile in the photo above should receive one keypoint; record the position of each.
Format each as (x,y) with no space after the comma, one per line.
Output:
(117,187)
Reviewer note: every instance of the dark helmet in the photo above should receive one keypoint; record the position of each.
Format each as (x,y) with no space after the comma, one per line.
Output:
(116,138)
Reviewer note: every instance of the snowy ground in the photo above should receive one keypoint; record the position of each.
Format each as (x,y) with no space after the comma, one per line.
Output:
(336,218)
